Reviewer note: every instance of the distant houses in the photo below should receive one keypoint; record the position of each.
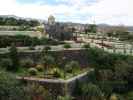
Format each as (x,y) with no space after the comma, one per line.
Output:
(50,28)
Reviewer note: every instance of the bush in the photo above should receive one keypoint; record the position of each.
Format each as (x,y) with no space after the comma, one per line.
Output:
(113,97)
(31,48)
(47,48)
(67,46)
(68,68)
(86,46)
(129,95)
(27,63)
(72,67)
(66,97)
(40,68)
(6,64)
(32,71)
(56,73)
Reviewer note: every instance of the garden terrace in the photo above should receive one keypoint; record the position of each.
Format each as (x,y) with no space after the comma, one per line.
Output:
(58,85)
(28,39)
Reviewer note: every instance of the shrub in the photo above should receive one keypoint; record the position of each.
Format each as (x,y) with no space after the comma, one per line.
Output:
(47,48)
(7,64)
(113,97)
(40,67)
(67,46)
(32,71)
(68,68)
(129,95)
(66,97)
(86,46)
(27,63)
(56,73)
(31,48)
(72,66)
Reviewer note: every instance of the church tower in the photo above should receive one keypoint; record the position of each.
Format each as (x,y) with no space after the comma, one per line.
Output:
(51,20)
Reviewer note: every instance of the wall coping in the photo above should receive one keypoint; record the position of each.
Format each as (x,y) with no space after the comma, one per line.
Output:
(54,80)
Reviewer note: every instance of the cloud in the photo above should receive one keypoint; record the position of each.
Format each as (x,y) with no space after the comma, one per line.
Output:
(85,11)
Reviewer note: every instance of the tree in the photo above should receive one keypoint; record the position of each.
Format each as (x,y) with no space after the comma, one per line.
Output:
(121,70)
(92,92)
(10,88)
(91,28)
(13,55)
(47,59)
(38,92)
(72,67)
(6,64)
(77,88)
(129,95)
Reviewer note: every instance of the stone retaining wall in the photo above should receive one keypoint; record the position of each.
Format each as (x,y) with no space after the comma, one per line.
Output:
(59,86)
(76,55)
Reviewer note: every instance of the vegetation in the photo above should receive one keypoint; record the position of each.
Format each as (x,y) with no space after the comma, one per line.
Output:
(40,67)
(10,88)
(26,63)
(92,92)
(13,55)
(111,79)
(67,46)
(32,71)
(57,73)
(112,72)
(86,46)
(6,64)
(92,28)
(23,40)
(67,97)
(17,22)
(72,67)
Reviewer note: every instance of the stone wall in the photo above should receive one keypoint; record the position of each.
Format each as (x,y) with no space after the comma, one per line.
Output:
(59,86)
(76,55)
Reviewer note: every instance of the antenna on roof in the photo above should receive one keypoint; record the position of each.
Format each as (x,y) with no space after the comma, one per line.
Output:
(94,22)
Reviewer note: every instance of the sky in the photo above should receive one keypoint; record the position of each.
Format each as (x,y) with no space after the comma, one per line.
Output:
(113,12)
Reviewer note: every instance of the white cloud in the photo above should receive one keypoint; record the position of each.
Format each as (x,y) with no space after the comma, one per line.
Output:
(111,11)
(102,11)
